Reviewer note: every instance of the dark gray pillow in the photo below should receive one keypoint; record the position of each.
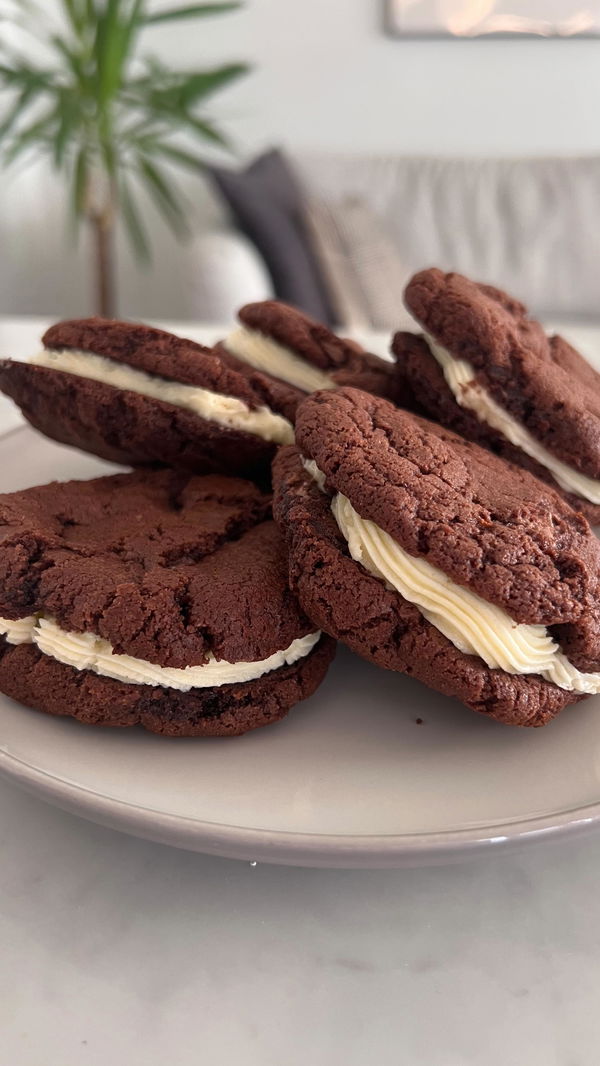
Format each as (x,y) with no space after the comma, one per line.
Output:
(267,205)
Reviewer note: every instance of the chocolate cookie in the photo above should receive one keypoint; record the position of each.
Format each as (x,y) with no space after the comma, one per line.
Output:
(143,397)
(302,355)
(153,599)
(489,372)
(429,555)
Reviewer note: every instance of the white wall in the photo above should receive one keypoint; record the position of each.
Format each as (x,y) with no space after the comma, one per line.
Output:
(326,76)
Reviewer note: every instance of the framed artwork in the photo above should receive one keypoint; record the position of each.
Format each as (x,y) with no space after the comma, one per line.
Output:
(492,18)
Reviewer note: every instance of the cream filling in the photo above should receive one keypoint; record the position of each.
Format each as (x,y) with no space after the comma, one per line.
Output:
(474,626)
(17,631)
(225,410)
(85,651)
(468,393)
(266,354)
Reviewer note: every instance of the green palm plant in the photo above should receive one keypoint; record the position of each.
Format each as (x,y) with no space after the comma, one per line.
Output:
(113,120)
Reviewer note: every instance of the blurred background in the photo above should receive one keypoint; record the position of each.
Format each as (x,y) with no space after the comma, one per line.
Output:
(367,139)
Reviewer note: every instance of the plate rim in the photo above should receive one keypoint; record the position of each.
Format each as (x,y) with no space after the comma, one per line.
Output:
(283,847)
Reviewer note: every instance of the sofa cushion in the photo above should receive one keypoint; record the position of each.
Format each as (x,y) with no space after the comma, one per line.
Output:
(363,266)
(267,205)
(527,225)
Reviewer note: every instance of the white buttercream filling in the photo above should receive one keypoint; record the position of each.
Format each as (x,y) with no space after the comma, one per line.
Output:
(19,630)
(225,410)
(474,626)
(460,377)
(85,651)
(275,359)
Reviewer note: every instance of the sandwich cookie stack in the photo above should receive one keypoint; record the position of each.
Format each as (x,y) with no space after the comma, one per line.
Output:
(153,599)
(143,397)
(292,349)
(169,598)
(157,598)
(485,369)
(428,555)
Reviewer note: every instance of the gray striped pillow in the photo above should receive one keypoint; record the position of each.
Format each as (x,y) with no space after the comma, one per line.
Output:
(360,263)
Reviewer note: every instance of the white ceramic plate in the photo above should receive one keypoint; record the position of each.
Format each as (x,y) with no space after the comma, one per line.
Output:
(348,779)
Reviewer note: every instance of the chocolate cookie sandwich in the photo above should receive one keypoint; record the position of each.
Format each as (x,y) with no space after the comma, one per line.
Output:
(140,396)
(486,370)
(428,555)
(287,345)
(152,599)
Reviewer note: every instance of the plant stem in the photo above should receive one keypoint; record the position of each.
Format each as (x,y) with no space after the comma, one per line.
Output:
(103,234)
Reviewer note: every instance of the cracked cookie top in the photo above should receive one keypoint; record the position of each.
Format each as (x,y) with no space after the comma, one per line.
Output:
(165,567)
(542,381)
(156,352)
(344,360)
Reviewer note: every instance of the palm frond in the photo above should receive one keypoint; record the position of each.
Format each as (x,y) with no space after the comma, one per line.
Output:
(166,199)
(110,48)
(180,156)
(113,132)
(134,226)
(171,100)
(190,11)
(69,118)
(75,15)
(74,59)
(21,74)
(38,131)
(163,90)
(207,130)
(24,99)
(80,182)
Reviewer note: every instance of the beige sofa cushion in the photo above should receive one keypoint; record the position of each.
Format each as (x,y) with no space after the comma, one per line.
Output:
(528,225)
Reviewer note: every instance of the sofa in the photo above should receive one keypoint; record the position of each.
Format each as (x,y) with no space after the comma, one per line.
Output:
(530,225)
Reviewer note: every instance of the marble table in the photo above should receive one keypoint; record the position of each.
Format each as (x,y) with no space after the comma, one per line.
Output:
(117,951)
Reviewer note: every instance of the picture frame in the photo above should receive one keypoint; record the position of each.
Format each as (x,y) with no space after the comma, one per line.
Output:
(481,20)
